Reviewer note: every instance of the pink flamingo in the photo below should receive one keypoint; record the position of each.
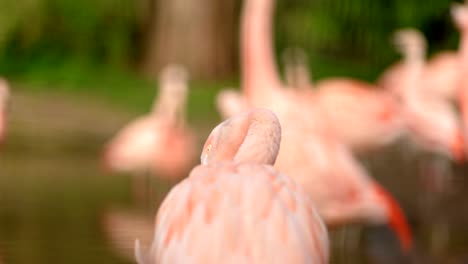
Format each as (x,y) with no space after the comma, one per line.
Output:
(439,75)
(236,207)
(443,72)
(371,109)
(4,99)
(310,152)
(361,115)
(412,44)
(432,122)
(159,142)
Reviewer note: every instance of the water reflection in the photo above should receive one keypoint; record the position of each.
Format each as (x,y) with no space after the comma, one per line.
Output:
(57,207)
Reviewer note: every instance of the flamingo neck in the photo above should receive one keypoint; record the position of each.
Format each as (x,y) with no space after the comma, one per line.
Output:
(254,136)
(414,63)
(169,106)
(258,68)
(262,140)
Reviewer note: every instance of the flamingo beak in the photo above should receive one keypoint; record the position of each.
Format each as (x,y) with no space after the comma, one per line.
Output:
(397,219)
(458,148)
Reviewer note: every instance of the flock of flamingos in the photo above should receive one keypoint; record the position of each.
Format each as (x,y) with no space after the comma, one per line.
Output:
(281,169)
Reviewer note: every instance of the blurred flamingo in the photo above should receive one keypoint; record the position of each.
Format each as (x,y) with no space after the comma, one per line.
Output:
(349,102)
(236,207)
(4,99)
(372,110)
(159,142)
(439,75)
(412,44)
(431,121)
(363,116)
(310,152)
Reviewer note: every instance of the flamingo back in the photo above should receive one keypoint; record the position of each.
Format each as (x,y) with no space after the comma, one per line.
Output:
(247,213)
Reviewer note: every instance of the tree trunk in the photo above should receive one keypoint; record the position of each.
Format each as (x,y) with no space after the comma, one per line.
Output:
(198,34)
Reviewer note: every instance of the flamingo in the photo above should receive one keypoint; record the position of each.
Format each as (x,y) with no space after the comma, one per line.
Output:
(362,116)
(4,99)
(432,122)
(161,141)
(439,76)
(310,151)
(374,111)
(235,207)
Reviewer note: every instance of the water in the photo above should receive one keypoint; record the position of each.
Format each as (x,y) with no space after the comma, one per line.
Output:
(56,206)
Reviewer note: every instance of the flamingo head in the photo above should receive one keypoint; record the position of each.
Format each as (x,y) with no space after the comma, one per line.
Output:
(410,42)
(396,218)
(459,14)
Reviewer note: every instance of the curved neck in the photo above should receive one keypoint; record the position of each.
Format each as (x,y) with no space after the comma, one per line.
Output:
(170,104)
(262,140)
(258,67)
(414,62)
(254,136)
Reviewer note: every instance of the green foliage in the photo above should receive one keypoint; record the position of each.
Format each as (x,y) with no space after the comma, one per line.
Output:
(341,36)
(93,30)
(356,33)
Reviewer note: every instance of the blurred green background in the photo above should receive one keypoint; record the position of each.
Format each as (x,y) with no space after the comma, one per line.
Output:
(115,45)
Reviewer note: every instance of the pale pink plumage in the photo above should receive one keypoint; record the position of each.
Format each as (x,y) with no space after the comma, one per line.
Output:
(310,151)
(235,207)
(362,116)
(441,75)
(160,141)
